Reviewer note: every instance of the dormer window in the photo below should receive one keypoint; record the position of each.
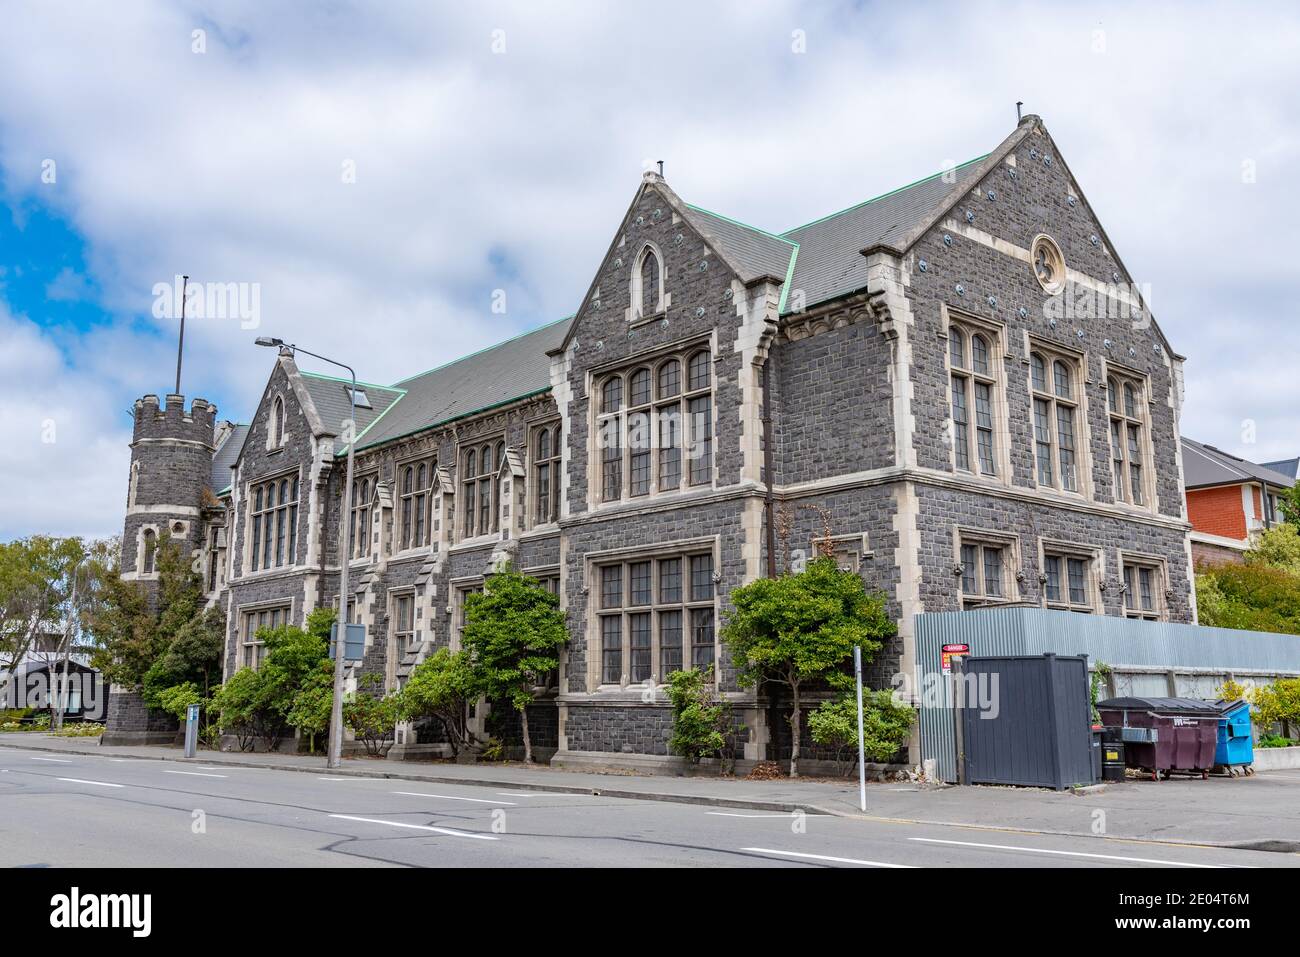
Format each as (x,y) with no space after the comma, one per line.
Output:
(647,285)
(358,397)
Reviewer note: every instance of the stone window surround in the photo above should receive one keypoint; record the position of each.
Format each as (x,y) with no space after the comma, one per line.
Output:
(142,548)
(1053,253)
(1157,564)
(430,461)
(1011,562)
(497,441)
(1078,361)
(242,613)
(592,562)
(396,595)
(1145,400)
(997,333)
(362,544)
(653,359)
(276,420)
(556,462)
(458,588)
(663,300)
(854,543)
(247,499)
(1093,570)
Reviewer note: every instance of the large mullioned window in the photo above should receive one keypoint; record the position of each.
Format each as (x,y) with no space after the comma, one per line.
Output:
(1054,384)
(363,491)
(1069,581)
(1127,422)
(416,491)
(970,355)
(274,521)
(547,445)
(655,616)
(481,465)
(655,427)
(1142,591)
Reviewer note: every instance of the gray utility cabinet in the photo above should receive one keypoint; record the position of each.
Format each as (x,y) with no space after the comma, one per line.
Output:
(1025,720)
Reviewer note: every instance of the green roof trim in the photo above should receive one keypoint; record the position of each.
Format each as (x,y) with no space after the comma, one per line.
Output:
(876,199)
(785,286)
(392,405)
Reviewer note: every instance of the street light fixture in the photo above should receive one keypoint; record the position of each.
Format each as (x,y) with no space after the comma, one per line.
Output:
(340,644)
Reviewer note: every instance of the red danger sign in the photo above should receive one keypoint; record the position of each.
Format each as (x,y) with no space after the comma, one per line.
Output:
(951,651)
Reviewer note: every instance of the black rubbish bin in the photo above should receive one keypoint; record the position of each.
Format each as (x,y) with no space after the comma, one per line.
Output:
(1112,761)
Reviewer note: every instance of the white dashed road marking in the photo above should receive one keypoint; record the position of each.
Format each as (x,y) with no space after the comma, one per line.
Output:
(102,784)
(197,774)
(418,827)
(1040,850)
(448,797)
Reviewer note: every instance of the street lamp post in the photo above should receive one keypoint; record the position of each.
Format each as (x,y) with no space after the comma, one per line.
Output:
(340,644)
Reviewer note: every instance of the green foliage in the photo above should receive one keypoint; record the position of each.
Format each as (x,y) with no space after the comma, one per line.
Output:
(131,638)
(1277,547)
(192,658)
(1277,702)
(1231,690)
(35,592)
(1289,504)
(886,724)
(1101,673)
(177,699)
(243,708)
(803,627)
(371,715)
(700,718)
(513,633)
(441,687)
(1252,597)
(1275,741)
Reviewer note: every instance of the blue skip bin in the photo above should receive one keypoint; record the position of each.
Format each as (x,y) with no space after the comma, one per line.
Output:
(1235,748)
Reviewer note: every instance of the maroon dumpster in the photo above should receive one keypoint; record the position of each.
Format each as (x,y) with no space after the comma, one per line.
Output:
(1164,735)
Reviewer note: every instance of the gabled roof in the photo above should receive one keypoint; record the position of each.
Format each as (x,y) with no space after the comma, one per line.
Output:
(509,371)
(329,395)
(1205,466)
(755,254)
(1288,467)
(830,262)
(226,455)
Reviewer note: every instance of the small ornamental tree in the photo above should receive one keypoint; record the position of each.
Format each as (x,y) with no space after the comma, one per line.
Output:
(441,687)
(513,632)
(1277,547)
(801,628)
(1277,703)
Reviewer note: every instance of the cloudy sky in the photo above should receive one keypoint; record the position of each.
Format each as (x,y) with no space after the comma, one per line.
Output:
(379,170)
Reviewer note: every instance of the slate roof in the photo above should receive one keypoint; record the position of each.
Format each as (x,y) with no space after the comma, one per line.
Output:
(752,251)
(830,263)
(511,370)
(226,456)
(330,396)
(1288,467)
(1205,466)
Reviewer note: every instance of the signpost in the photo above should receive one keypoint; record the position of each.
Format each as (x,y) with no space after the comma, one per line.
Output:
(862,767)
(354,645)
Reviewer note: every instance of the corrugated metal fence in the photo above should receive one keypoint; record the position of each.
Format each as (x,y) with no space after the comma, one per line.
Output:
(1147,657)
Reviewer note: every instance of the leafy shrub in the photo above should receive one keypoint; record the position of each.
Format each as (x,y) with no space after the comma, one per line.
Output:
(1277,702)
(441,687)
(700,719)
(1232,690)
(1275,741)
(85,729)
(886,724)
(1252,597)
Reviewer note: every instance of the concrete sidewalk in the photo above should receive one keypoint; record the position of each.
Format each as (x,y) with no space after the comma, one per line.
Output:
(1255,812)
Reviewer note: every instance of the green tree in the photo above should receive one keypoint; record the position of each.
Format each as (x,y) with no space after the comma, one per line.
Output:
(801,628)
(192,657)
(700,719)
(442,687)
(1252,597)
(886,724)
(243,706)
(1289,504)
(1277,703)
(35,588)
(1277,547)
(513,633)
(372,715)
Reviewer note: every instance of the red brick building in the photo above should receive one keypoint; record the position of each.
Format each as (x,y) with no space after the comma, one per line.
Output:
(1229,499)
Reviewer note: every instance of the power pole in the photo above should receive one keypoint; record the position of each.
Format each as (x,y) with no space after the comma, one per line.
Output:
(61,687)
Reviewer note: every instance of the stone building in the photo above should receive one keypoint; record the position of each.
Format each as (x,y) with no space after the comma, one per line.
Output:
(955,387)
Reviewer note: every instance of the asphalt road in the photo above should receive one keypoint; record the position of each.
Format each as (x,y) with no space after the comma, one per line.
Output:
(89,810)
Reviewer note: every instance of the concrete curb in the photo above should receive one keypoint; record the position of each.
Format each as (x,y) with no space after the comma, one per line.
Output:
(786,807)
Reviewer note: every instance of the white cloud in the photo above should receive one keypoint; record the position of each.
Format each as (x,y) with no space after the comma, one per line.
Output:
(478,170)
